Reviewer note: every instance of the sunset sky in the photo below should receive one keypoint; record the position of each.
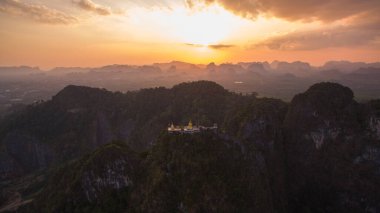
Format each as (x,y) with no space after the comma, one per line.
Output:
(50,33)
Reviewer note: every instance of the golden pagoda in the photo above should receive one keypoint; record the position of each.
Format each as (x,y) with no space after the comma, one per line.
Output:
(173,128)
(190,128)
(190,125)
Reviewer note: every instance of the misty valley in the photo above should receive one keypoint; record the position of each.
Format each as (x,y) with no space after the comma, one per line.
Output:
(282,80)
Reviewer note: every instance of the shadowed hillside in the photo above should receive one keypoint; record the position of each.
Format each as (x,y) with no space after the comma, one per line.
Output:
(318,153)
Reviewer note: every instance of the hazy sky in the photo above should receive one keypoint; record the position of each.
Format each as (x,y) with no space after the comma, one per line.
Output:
(49,33)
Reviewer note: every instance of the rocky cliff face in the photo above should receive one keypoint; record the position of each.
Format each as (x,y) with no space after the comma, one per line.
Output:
(112,176)
(373,118)
(261,122)
(22,154)
(75,122)
(9,167)
(374,124)
(325,133)
(87,183)
(261,135)
(28,150)
(323,114)
(24,150)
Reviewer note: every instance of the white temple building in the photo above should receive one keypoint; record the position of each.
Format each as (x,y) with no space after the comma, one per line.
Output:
(190,128)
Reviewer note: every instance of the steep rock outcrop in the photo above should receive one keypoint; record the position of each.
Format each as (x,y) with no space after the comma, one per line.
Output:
(373,118)
(260,133)
(75,122)
(93,183)
(325,131)
(187,173)
(22,154)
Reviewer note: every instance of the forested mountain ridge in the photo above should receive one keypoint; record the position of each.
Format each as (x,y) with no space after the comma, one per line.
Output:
(80,119)
(319,153)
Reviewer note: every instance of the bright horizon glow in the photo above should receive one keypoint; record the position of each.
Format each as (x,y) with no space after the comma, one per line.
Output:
(160,31)
(208,26)
(205,26)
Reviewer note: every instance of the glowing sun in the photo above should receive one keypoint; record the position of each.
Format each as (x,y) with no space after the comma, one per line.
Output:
(204,26)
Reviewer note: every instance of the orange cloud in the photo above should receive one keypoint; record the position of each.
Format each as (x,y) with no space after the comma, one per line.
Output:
(39,13)
(91,6)
(212,46)
(354,23)
(359,33)
(221,46)
(322,10)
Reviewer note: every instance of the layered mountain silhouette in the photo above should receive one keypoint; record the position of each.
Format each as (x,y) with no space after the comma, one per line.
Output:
(277,79)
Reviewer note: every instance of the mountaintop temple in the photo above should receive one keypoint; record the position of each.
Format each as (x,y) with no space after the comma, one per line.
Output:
(190,128)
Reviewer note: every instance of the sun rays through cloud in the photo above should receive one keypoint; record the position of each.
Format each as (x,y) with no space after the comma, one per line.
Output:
(192,30)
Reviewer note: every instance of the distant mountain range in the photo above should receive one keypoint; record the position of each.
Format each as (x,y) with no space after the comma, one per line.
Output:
(343,66)
(25,85)
(92,150)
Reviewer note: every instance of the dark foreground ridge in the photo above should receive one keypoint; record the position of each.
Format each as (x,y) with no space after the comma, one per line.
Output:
(319,153)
